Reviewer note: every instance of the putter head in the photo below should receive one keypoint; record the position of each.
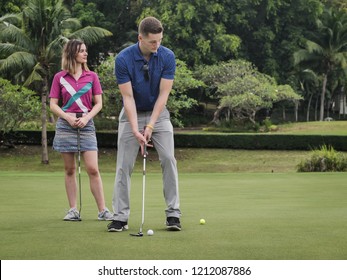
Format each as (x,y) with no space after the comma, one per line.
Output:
(140,234)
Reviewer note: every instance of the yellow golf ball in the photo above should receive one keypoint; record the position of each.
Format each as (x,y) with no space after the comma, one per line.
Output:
(202,221)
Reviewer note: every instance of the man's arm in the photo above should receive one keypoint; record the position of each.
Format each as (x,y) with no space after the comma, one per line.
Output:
(164,92)
(130,110)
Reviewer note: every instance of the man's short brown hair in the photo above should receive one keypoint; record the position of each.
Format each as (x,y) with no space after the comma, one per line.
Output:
(150,25)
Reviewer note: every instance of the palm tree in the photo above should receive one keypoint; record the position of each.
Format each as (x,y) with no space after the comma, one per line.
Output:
(327,50)
(31,43)
(309,83)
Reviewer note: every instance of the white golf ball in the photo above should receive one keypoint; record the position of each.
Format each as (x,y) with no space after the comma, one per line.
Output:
(150,232)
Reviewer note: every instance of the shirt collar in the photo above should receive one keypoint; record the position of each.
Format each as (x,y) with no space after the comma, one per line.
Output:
(138,54)
(84,72)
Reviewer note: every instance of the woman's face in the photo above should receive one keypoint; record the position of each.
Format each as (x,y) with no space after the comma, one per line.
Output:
(81,56)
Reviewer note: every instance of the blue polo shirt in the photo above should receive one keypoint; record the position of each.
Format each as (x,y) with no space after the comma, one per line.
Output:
(129,66)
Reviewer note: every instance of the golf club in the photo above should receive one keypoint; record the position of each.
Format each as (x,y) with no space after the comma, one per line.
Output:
(140,233)
(79,115)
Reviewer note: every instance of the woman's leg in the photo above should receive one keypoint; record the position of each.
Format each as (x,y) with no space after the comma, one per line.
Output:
(70,178)
(91,164)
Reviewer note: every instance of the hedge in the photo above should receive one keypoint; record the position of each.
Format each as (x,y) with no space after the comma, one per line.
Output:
(248,141)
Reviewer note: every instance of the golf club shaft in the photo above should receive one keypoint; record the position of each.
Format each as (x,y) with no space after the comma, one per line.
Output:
(79,167)
(79,115)
(143,187)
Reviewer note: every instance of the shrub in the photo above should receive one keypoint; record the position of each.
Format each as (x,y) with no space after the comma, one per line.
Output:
(324,159)
(17,105)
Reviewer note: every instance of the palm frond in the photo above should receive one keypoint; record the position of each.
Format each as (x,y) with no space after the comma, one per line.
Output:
(300,55)
(8,48)
(34,76)
(314,47)
(14,19)
(55,47)
(17,61)
(13,34)
(90,35)
(70,24)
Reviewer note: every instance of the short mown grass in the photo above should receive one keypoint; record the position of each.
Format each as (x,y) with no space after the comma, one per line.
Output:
(250,216)
(256,207)
(188,159)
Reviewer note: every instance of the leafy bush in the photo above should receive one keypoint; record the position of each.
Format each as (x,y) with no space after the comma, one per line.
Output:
(324,159)
(17,105)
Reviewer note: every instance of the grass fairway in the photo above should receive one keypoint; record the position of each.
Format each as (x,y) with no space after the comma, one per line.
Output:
(249,216)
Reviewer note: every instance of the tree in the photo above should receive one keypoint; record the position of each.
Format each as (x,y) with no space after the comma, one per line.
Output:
(179,100)
(118,16)
(243,91)
(326,50)
(309,83)
(30,47)
(270,31)
(10,6)
(196,30)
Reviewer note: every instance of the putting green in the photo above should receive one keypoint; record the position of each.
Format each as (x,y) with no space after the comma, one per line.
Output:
(249,216)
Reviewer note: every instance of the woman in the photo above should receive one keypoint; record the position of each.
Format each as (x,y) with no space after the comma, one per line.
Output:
(78,88)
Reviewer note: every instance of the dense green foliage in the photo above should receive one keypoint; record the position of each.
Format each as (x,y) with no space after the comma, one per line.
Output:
(207,33)
(17,105)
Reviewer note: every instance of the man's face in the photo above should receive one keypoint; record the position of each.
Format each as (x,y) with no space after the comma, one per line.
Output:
(151,42)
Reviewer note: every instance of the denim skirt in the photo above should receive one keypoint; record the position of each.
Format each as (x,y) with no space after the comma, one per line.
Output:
(66,137)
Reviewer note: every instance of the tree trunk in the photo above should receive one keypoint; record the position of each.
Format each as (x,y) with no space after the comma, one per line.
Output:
(342,102)
(216,115)
(322,98)
(309,107)
(44,158)
(283,113)
(296,102)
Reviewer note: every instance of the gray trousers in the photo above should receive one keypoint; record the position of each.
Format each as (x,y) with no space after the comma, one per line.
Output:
(127,151)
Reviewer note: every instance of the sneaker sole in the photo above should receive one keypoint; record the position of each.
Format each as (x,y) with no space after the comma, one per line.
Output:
(118,230)
(173,228)
(103,219)
(73,220)
(114,230)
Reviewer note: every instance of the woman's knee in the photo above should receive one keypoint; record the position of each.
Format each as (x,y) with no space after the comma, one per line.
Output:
(70,171)
(93,171)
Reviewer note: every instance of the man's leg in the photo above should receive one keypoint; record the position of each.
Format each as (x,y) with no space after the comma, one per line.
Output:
(127,150)
(164,144)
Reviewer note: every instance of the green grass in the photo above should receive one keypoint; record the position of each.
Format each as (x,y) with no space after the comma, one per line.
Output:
(189,160)
(314,128)
(302,128)
(255,205)
(249,216)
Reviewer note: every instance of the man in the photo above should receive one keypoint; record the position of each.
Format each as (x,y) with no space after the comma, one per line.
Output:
(145,73)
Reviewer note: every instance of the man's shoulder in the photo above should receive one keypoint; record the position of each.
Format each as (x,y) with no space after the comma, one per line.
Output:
(130,50)
(166,53)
